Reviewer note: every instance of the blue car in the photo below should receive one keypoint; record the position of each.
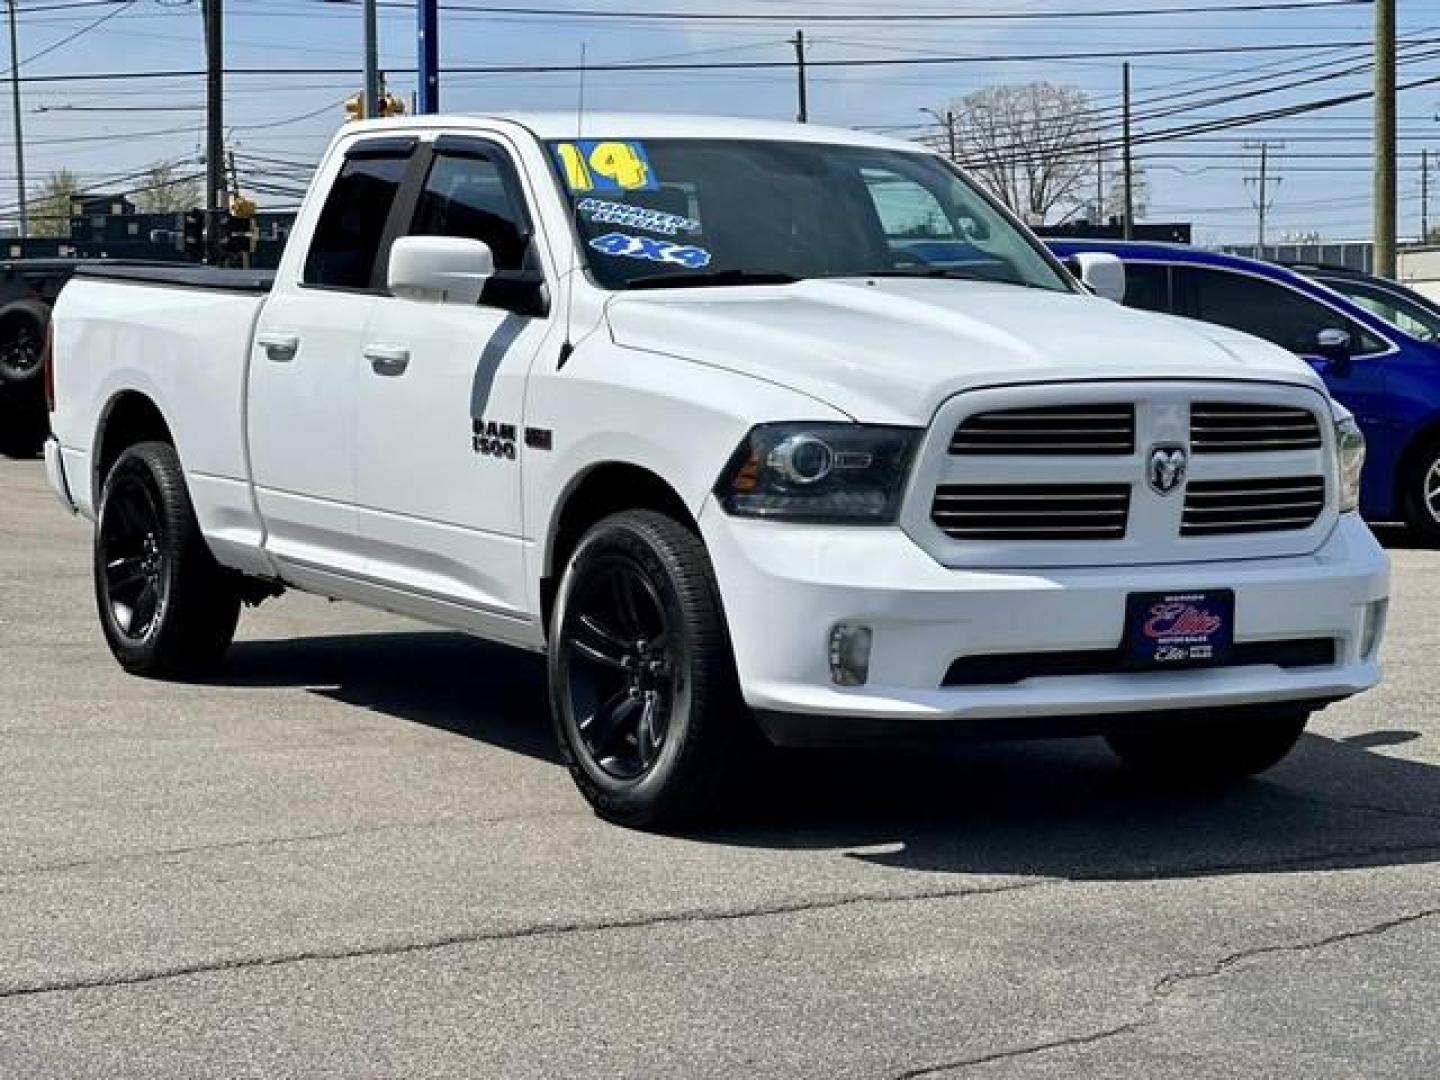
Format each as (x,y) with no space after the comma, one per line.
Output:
(1386,373)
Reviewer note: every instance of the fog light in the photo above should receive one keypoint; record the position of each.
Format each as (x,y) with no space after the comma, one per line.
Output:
(1371,626)
(849,654)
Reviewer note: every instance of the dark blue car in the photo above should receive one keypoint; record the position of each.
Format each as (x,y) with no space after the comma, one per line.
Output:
(1387,376)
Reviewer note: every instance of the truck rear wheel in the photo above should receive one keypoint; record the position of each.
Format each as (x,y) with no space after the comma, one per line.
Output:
(644,696)
(1225,746)
(167,608)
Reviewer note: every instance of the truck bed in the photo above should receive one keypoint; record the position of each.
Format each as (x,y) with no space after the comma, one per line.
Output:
(181,275)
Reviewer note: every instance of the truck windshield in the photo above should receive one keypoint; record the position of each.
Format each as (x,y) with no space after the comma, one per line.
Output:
(693,212)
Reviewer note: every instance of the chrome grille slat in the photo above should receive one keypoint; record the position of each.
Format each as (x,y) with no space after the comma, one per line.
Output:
(1009,511)
(1235,428)
(1275,504)
(1103,429)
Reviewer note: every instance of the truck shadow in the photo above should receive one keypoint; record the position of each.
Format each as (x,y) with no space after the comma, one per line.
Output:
(1060,808)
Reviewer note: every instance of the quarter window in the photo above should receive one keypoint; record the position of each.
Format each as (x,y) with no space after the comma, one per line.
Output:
(352,222)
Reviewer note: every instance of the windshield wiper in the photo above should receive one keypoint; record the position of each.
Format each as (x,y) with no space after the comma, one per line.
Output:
(712,277)
(930,272)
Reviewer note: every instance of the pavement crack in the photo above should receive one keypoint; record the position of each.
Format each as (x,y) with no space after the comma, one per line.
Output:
(1171,982)
(538,930)
(263,842)
(1145,1015)
(1022,1051)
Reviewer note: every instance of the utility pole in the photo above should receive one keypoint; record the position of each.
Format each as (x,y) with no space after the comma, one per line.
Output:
(1128,162)
(1263,183)
(1424,196)
(214,127)
(428,12)
(1384,195)
(1099,183)
(19,135)
(372,63)
(803,115)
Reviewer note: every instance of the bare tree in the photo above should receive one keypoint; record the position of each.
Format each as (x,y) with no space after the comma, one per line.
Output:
(164,191)
(1033,145)
(49,206)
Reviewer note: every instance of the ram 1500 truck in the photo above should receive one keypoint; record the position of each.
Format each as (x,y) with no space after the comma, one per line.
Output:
(746,426)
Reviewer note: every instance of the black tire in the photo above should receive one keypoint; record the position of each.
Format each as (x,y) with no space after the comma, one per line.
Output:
(643,692)
(22,340)
(24,422)
(1226,746)
(167,608)
(1421,493)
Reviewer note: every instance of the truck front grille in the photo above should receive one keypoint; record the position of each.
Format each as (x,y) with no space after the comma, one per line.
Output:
(1058,429)
(1221,507)
(1032,511)
(1232,427)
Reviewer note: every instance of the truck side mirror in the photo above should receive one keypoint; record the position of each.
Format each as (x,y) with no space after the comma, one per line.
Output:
(1100,272)
(440,269)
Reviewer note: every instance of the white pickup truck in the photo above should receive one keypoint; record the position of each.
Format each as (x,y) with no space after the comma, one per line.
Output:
(747,426)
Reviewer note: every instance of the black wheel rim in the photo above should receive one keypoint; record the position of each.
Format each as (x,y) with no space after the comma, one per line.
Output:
(622,664)
(20,353)
(133,564)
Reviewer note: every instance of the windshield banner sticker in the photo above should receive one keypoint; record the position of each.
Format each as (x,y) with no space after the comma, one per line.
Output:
(636,217)
(645,247)
(605,165)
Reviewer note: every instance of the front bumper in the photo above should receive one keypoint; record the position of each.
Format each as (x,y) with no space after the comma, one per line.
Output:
(785,587)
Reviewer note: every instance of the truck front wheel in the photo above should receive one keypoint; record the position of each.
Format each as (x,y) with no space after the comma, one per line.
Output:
(166,607)
(644,697)
(1222,747)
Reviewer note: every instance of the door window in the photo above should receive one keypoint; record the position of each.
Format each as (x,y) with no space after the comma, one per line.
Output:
(352,222)
(473,197)
(1263,308)
(1147,286)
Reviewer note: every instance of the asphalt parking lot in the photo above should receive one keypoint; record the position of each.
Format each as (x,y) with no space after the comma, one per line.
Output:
(353,854)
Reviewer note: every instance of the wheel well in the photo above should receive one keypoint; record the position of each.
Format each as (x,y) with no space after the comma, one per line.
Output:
(130,418)
(605,490)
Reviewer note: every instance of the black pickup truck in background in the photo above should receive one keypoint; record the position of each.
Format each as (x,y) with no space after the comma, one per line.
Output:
(28,288)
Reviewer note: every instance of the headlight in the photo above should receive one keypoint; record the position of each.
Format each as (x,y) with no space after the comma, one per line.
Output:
(843,473)
(1349,460)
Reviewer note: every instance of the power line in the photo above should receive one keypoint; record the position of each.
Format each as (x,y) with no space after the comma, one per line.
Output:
(887,17)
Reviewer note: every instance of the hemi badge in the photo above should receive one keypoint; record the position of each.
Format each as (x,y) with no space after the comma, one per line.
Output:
(537,438)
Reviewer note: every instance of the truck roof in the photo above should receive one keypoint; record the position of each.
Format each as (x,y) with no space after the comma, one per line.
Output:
(563,125)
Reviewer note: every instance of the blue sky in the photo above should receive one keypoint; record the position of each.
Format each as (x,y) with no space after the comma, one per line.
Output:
(280,123)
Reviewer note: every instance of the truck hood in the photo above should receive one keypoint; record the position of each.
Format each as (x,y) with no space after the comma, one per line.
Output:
(890,350)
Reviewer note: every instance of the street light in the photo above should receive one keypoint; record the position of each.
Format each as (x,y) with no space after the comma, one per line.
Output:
(947,121)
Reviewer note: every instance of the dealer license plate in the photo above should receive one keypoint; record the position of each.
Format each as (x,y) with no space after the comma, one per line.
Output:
(1182,629)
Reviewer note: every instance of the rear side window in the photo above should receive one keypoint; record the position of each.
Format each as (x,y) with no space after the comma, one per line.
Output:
(347,237)
(473,197)
(1263,308)
(1147,286)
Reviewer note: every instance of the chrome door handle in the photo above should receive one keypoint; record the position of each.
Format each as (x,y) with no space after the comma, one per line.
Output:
(388,359)
(279,348)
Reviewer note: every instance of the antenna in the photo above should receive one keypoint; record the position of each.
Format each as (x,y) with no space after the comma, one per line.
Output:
(569,346)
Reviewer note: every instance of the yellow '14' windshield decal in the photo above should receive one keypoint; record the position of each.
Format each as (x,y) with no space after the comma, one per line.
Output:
(592,165)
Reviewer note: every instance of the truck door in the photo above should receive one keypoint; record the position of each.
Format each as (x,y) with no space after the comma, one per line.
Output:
(305,371)
(442,395)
